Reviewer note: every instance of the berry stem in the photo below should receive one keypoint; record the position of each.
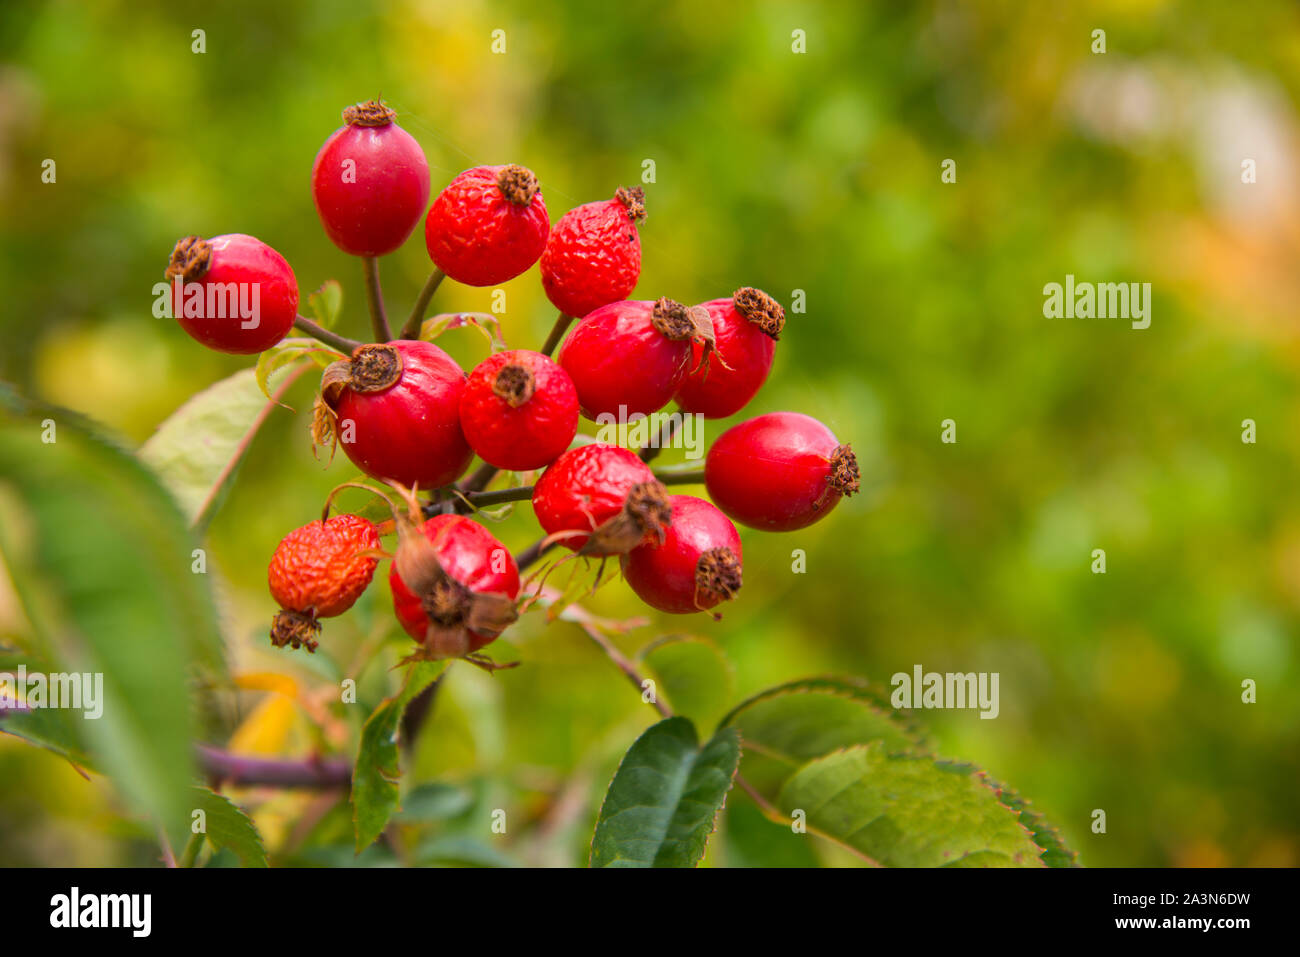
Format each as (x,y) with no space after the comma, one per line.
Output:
(520,494)
(624,665)
(557,333)
(533,552)
(680,476)
(222,766)
(667,430)
(378,317)
(412,328)
(342,343)
(192,848)
(480,479)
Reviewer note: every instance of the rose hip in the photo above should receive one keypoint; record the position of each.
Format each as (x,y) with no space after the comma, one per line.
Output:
(233,293)
(370,182)
(599,488)
(395,408)
(746,328)
(593,255)
(488,225)
(780,472)
(519,410)
(628,358)
(697,566)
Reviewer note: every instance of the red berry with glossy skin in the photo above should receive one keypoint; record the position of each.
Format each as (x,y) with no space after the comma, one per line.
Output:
(370,182)
(585,488)
(779,472)
(629,358)
(474,566)
(395,408)
(319,571)
(697,566)
(746,328)
(233,293)
(593,256)
(488,225)
(519,410)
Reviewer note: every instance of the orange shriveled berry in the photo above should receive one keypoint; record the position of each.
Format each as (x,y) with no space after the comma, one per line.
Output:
(319,571)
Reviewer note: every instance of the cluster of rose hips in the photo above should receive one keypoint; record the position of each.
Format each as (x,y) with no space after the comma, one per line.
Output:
(408,415)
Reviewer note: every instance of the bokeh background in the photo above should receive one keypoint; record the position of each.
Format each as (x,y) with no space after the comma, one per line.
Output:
(818,172)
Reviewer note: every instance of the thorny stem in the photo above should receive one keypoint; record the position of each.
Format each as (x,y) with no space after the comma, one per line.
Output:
(223,767)
(680,476)
(342,343)
(667,429)
(557,333)
(412,328)
(378,318)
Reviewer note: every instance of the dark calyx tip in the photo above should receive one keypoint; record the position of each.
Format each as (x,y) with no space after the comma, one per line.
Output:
(633,199)
(190,259)
(518,184)
(718,573)
(294,628)
(760,309)
(844,477)
(514,384)
(370,113)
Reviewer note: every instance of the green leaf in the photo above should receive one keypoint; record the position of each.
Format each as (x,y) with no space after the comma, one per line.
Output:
(101,560)
(229,827)
(486,324)
(327,303)
(751,840)
(198,450)
(660,807)
(288,352)
(57,730)
(692,675)
(908,810)
(436,802)
(786,726)
(375,791)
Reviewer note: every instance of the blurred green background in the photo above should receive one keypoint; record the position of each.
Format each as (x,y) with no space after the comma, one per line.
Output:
(818,172)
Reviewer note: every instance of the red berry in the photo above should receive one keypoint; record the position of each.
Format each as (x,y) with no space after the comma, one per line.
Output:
(628,358)
(395,407)
(519,410)
(746,328)
(370,182)
(593,256)
(319,571)
(457,595)
(779,471)
(588,488)
(232,293)
(697,566)
(488,225)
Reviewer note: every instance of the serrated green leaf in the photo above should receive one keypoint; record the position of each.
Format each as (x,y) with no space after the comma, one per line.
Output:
(908,810)
(786,726)
(288,352)
(660,807)
(487,325)
(229,827)
(102,567)
(326,303)
(375,789)
(198,450)
(693,676)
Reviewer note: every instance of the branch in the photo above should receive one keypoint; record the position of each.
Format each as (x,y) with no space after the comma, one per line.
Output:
(342,343)
(412,328)
(680,476)
(557,333)
(224,767)
(480,479)
(532,553)
(624,665)
(378,318)
(667,429)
